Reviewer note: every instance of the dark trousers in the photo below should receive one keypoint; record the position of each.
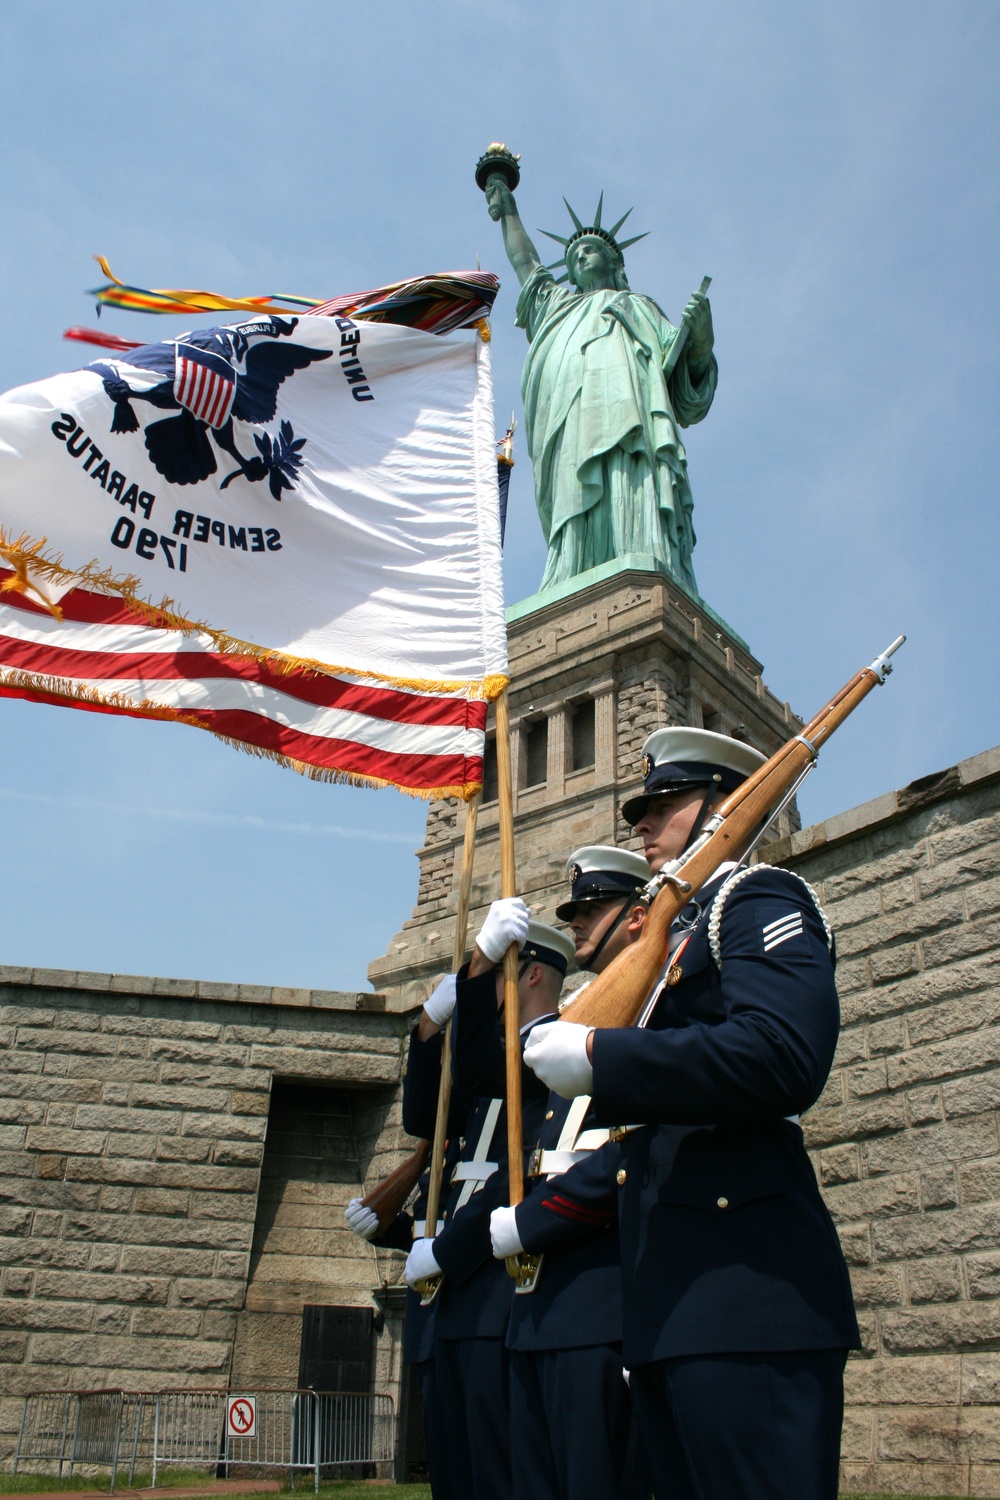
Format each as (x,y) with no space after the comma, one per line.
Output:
(742,1426)
(570,1426)
(433,1435)
(473,1407)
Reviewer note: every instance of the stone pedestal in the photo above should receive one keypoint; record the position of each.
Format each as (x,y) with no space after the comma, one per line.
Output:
(594,669)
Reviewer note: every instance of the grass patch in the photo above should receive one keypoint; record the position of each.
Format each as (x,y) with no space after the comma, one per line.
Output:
(330,1489)
(336,1489)
(33,1484)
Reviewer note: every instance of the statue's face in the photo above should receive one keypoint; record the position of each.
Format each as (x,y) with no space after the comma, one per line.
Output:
(591,264)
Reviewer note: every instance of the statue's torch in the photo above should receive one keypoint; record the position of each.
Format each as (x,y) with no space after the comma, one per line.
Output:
(497,161)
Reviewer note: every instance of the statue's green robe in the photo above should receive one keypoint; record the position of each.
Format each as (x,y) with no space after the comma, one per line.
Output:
(601,424)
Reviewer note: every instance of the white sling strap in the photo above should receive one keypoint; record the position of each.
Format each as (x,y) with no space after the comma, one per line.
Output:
(575,1116)
(475,1172)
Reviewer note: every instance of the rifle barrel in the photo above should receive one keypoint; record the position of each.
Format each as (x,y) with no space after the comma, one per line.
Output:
(617,995)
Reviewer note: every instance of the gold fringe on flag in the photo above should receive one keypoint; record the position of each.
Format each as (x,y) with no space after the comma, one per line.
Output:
(27,557)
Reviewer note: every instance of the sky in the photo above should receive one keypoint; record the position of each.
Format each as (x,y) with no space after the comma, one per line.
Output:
(833,167)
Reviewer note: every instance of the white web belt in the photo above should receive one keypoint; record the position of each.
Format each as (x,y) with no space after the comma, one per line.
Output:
(474,1171)
(573,1145)
(420,1228)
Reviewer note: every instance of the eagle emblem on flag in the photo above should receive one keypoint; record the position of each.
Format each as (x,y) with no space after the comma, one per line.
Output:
(213,379)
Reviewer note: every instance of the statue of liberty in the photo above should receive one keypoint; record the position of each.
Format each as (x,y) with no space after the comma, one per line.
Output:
(603,398)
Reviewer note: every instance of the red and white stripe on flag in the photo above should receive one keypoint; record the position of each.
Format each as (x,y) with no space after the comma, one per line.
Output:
(101,657)
(205,384)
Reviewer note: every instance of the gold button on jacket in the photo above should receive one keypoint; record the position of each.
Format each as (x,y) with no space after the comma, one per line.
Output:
(620,1176)
(722,1202)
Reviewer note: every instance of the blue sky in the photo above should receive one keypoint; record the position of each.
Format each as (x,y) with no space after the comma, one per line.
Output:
(831,166)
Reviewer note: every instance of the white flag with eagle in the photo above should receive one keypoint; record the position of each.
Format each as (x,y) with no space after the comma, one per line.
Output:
(285,531)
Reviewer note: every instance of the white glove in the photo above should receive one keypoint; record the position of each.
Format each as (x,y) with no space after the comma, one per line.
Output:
(441,1002)
(364,1221)
(503,1233)
(420,1263)
(557,1053)
(506,923)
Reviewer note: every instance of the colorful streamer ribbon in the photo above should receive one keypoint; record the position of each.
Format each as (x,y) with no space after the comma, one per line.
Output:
(437,303)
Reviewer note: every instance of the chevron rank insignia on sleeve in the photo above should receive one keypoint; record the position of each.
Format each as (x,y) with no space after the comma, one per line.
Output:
(779,931)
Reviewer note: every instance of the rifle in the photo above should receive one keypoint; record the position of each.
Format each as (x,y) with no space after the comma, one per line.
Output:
(430,1287)
(618,996)
(388,1197)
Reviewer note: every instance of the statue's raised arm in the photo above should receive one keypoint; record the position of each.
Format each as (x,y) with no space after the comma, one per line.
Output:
(520,251)
(603,394)
(498,173)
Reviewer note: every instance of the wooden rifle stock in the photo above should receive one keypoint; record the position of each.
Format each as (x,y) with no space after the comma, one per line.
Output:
(617,996)
(389,1196)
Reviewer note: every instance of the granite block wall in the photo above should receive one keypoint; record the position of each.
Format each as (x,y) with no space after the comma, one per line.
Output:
(905,1137)
(133,1115)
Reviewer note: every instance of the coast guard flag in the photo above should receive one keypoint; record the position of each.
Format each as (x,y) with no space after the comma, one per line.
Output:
(285,531)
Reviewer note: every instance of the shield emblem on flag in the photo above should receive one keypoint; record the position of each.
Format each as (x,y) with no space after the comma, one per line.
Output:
(205,383)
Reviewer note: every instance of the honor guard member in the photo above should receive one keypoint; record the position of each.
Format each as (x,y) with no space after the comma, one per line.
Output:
(571,1428)
(473,1304)
(421,1079)
(736,1297)
(418,1323)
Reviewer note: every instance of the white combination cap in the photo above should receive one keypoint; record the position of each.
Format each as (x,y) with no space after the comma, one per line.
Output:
(600,872)
(675,759)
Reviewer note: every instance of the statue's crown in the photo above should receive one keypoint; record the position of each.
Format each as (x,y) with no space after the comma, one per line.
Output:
(583,231)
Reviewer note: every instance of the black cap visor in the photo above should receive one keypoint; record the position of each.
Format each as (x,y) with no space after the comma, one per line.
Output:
(597,885)
(678,776)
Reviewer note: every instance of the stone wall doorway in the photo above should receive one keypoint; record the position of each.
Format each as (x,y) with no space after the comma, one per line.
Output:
(338,1349)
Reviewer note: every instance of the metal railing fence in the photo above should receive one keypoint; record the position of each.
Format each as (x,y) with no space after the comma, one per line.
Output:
(83,1427)
(294,1430)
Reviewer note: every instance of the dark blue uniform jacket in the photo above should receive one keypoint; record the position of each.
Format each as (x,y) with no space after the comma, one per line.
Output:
(726,1243)
(474,1301)
(418,1325)
(572,1219)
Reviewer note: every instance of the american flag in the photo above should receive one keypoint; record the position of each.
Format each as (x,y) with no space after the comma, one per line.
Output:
(204,383)
(101,656)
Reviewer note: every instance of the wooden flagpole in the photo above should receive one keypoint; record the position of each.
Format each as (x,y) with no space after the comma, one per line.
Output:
(444,1087)
(511,1008)
(389,1196)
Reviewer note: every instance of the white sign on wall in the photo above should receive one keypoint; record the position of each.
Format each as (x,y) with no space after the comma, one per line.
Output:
(241,1416)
